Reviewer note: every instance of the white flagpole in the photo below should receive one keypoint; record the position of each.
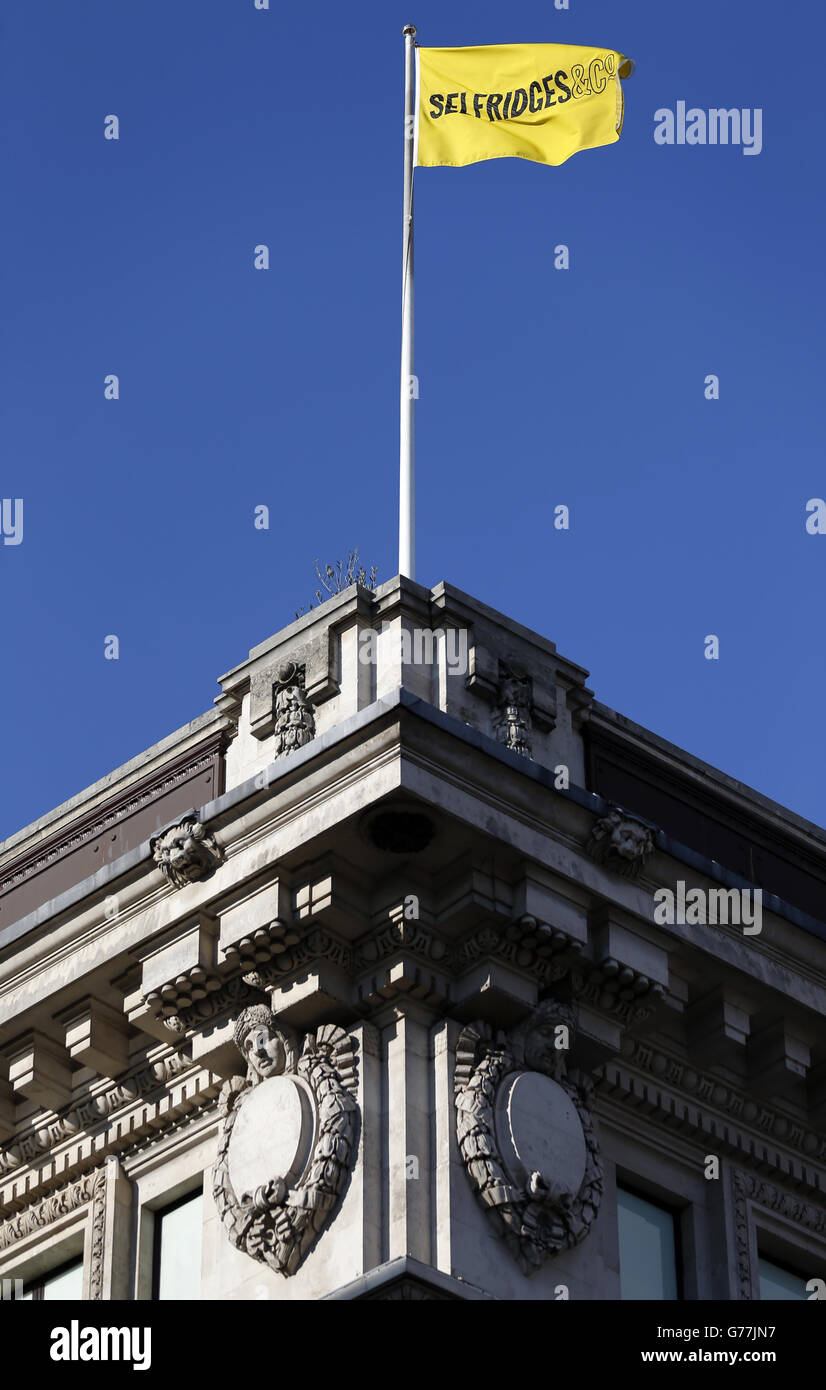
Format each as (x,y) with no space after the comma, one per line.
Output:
(407,518)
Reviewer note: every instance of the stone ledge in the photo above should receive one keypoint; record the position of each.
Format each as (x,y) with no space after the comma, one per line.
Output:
(405,1278)
(217,813)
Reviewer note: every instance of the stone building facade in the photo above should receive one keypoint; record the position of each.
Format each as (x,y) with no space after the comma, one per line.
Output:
(413,971)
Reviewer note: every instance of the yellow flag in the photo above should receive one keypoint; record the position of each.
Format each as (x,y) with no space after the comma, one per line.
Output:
(540,101)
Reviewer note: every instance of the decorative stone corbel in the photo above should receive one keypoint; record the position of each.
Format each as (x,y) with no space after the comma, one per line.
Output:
(186,851)
(178,971)
(39,1070)
(95,1036)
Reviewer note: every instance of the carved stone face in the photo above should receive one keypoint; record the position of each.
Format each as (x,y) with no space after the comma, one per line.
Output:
(186,852)
(264,1052)
(630,841)
(541,1052)
(182,852)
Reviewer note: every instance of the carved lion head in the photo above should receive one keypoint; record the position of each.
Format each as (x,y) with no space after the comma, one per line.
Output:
(186,852)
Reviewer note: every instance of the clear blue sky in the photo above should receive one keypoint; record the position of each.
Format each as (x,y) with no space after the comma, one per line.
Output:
(538,387)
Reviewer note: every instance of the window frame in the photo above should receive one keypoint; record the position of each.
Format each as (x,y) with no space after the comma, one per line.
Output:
(775,1236)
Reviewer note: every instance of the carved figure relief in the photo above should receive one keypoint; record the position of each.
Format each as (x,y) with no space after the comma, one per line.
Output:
(526,1136)
(621,843)
(186,852)
(512,719)
(294,720)
(289,1138)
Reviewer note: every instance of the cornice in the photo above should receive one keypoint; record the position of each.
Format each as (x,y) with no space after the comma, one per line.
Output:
(670,1091)
(683,771)
(194,1090)
(86,1191)
(88,824)
(227,808)
(92,1112)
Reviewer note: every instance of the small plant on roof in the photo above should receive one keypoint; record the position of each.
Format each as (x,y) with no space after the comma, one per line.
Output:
(336,579)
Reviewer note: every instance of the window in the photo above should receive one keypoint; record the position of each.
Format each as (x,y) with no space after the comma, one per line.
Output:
(648,1248)
(777,1282)
(177,1249)
(63,1283)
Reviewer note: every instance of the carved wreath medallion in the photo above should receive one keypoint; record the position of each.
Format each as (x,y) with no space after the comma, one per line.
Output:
(289,1138)
(526,1135)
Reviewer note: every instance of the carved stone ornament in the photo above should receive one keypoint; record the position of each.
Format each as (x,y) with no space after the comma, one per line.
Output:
(289,1138)
(186,852)
(526,1136)
(90,1189)
(621,843)
(512,717)
(294,720)
(748,1188)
